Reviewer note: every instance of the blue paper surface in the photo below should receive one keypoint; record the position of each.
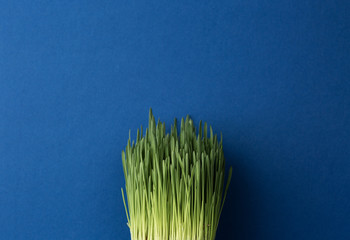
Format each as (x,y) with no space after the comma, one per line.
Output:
(272,76)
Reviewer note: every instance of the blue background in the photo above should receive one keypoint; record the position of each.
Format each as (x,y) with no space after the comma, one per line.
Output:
(273,76)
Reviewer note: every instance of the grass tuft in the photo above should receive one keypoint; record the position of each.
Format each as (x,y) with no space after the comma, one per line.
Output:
(174,182)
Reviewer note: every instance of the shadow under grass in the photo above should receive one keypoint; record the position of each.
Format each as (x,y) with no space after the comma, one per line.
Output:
(238,220)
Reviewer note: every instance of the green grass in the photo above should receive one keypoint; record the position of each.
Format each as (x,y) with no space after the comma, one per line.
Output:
(174,182)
